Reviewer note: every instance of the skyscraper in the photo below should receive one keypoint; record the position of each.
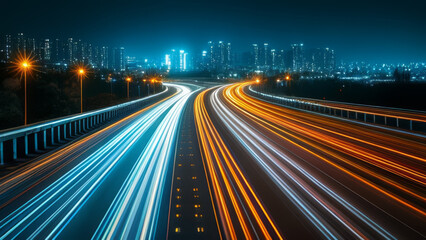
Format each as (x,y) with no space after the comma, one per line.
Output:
(47,50)
(329,61)
(167,61)
(57,53)
(32,46)
(7,47)
(183,64)
(104,58)
(265,55)
(323,60)
(69,53)
(273,59)
(298,57)
(119,59)
(255,56)
(20,43)
(219,56)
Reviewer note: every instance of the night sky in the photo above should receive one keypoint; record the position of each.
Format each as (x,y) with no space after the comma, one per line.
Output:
(374,31)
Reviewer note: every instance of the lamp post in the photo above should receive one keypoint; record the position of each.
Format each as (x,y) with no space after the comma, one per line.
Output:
(25,66)
(128,79)
(81,74)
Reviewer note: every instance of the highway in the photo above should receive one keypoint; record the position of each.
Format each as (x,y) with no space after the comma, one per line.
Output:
(209,161)
(276,172)
(114,183)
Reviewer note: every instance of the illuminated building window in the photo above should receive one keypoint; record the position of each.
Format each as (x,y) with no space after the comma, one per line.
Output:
(197,205)
(178,197)
(178,189)
(195,189)
(178,206)
(196,196)
(178,215)
(200,229)
(194,178)
(177,229)
(192,165)
(178,178)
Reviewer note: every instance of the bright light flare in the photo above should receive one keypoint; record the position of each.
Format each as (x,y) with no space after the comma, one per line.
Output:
(81,70)
(24,63)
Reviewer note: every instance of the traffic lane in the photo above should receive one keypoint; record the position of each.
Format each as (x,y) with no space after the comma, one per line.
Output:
(381,209)
(289,221)
(93,211)
(367,146)
(368,158)
(140,209)
(329,174)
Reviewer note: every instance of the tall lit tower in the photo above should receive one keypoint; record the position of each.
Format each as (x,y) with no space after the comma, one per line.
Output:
(8,47)
(298,57)
(255,54)
(47,50)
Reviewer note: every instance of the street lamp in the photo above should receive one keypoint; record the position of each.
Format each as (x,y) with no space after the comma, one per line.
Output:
(24,64)
(81,72)
(128,79)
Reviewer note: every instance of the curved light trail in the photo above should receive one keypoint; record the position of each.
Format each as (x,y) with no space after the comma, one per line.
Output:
(48,213)
(346,180)
(134,212)
(232,192)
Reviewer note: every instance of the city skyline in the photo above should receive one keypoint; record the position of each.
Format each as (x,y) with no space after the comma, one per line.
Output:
(375,32)
(218,58)
(201,46)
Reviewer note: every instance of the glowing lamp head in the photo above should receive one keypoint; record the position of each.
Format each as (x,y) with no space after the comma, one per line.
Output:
(257,80)
(128,79)
(287,77)
(81,71)
(144,80)
(25,64)
(278,80)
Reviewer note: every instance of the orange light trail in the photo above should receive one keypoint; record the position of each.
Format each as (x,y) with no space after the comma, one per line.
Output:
(323,165)
(310,130)
(224,173)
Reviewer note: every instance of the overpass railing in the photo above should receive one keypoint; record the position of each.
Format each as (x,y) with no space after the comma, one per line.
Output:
(387,119)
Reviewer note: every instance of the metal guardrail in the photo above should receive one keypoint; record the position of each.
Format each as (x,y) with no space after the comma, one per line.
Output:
(370,116)
(39,135)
